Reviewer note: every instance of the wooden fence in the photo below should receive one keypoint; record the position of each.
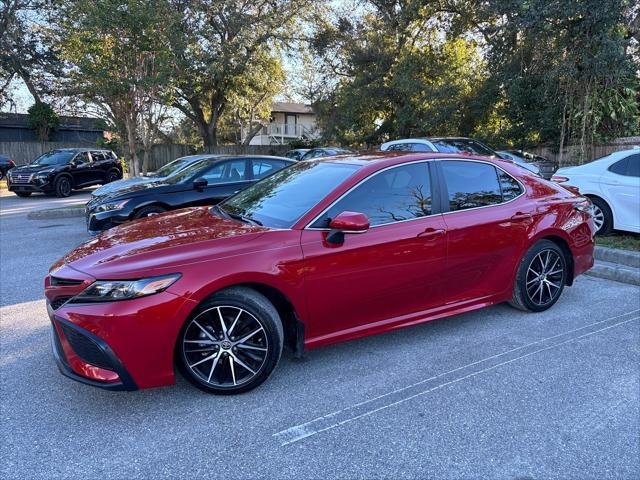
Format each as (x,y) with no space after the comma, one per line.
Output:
(24,152)
(572,154)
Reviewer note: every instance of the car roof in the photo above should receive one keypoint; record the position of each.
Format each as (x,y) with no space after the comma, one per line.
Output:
(78,150)
(383,159)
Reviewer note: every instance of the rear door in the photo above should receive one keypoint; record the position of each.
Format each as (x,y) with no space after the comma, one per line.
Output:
(263,167)
(488,221)
(224,179)
(621,184)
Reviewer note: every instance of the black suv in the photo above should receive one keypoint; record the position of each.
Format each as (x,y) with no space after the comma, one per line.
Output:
(60,171)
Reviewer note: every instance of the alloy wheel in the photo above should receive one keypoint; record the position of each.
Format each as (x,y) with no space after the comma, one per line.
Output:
(225,346)
(598,217)
(65,187)
(545,277)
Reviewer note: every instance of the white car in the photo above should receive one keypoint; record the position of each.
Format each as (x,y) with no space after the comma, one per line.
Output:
(613,185)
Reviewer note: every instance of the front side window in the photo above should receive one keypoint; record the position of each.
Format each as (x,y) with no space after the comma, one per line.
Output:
(281,199)
(471,184)
(393,195)
(82,157)
(226,172)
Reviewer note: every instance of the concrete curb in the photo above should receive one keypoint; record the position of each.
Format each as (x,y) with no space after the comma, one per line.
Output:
(64,212)
(617,265)
(614,255)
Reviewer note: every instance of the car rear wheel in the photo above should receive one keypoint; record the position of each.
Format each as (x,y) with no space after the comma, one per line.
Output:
(231,343)
(541,277)
(149,211)
(112,176)
(602,216)
(62,187)
(23,194)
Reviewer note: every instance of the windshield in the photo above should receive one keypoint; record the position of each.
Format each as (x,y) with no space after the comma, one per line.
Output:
(281,199)
(54,157)
(170,167)
(186,173)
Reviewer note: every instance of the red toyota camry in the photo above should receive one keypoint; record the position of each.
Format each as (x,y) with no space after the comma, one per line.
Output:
(320,252)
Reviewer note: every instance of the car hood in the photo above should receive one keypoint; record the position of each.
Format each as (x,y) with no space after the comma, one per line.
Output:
(161,243)
(111,188)
(34,168)
(135,190)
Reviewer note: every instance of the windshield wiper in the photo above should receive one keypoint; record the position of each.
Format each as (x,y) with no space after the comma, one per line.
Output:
(237,216)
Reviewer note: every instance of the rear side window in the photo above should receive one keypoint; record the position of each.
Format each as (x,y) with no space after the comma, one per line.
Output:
(471,184)
(629,167)
(509,186)
(400,193)
(262,168)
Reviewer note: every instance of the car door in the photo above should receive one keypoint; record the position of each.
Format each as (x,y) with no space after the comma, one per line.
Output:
(487,222)
(102,162)
(620,183)
(223,180)
(392,270)
(82,170)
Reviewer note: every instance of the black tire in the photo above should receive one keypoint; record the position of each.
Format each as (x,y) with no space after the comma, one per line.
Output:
(601,208)
(245,310)
(537,287)
(2,174)
(62,186)
(147,211)
(111,176)
(23,194)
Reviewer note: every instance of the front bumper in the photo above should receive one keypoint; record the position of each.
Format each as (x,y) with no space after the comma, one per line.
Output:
(123,345)
(29,187)
(71,345)
(100,221)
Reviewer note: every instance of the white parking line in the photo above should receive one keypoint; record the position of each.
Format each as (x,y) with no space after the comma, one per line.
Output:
(307,429)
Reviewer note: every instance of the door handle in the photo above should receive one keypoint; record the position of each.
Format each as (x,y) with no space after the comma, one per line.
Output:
(430,233)
(519,216)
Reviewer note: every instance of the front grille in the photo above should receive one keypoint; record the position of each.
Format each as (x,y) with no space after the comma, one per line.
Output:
(64,282)
(20,177)
(58,302)
(86,348)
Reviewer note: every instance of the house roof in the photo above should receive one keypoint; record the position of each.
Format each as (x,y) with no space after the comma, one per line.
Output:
(85,124)
(285,107)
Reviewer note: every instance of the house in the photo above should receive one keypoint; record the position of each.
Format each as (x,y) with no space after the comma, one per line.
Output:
(289,121)
(14,127)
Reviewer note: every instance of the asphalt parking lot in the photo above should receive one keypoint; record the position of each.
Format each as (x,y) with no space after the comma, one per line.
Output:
(491,394)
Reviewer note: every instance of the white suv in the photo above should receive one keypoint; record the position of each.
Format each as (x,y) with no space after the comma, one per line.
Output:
(613,185)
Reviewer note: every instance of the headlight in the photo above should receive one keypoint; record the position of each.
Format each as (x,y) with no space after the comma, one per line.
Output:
(107,207)
(113,290)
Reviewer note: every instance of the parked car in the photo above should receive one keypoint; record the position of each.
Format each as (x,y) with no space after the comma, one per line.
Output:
(439,144)
(205,182)
(613,185)
(519,160)
(546,166)
(60,171)
(297,153)
(6,164)
(325,152)
(318,253)
(163,172)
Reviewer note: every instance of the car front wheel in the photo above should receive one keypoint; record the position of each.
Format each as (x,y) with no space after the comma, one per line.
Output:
(231,343)
(62,187)
(541,277)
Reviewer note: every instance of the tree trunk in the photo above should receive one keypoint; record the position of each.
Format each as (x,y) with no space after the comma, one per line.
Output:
(146,160)
(252,133)
(134,168)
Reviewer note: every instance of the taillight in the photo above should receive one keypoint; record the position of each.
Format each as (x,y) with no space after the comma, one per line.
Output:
(559,179)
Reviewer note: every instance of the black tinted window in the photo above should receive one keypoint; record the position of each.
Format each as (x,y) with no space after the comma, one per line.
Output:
(510,187)
(462,145)
(633,168)
(397,194)
(262,168)
(471,184)
(620,167)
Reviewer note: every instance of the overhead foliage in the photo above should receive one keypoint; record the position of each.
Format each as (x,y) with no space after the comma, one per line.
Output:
(43,119)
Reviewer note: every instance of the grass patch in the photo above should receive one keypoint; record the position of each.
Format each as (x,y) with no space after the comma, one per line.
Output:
(623,241)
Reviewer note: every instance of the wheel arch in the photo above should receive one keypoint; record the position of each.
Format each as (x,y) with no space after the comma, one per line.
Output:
(568,254)
(289,314)
(64,174)
(607,202)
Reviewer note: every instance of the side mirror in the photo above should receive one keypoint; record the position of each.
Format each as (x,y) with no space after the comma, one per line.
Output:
(200,183)
(347,222)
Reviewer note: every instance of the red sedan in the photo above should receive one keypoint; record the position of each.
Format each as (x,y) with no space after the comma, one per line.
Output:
(318,253)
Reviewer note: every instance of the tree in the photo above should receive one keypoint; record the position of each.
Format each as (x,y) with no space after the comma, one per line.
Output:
(43,120)
(118,57)
(25,51)
(217,45)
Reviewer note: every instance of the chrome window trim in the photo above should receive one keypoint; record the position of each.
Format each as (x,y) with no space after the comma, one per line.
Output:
(425,161)
(524,190)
